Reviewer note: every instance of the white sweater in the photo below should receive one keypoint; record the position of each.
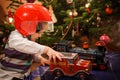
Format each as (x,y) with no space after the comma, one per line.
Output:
(18,42)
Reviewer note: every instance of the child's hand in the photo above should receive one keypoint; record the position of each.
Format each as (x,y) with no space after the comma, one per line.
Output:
(44,61)
(53,55)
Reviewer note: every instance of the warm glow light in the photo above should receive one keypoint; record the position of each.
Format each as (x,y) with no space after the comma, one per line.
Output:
(10,19)
(87,5)
(70,13)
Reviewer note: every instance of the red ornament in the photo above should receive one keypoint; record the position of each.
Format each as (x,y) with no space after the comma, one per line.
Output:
(10,16)
(108,10)
(88,10)
(105,38)
(87,6)
(70,15)
(10,13)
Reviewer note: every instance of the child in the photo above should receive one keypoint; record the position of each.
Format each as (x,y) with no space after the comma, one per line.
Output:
(30,21)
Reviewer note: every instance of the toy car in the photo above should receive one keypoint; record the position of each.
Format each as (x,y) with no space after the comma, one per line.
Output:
(71,65)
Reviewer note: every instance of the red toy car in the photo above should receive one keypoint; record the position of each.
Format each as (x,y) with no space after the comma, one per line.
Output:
(71,65)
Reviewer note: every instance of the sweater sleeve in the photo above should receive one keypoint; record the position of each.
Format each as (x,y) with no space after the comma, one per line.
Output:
(18,42)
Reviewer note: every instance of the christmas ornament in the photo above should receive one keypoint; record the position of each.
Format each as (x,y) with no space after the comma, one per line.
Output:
(108,10)
(98,18)
(69,1)
(75,13)
(98,25)
(105,38)
(88,10)
(10,17)
(87,6)
(70,15)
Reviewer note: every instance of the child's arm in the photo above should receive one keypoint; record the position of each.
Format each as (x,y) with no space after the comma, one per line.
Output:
(24,45)
(18,42)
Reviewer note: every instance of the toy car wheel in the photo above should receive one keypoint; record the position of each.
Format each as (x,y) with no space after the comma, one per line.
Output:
(102,67)
(83,76)
(57,73)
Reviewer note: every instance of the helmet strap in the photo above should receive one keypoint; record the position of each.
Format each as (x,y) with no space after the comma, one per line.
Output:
(39,27)
(29,37)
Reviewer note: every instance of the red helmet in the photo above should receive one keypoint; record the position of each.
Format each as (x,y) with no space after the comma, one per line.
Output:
(27,17)
(100,43)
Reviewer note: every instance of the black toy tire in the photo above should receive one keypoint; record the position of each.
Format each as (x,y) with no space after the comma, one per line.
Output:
(57,73)
(84,76)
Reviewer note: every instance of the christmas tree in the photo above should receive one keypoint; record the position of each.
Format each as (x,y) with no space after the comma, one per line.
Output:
(73,19)
(78,18)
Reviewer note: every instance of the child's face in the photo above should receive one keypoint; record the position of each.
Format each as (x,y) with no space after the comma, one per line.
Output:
(37,35)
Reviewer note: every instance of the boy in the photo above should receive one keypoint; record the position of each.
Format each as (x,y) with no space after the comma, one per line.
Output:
(30,21)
